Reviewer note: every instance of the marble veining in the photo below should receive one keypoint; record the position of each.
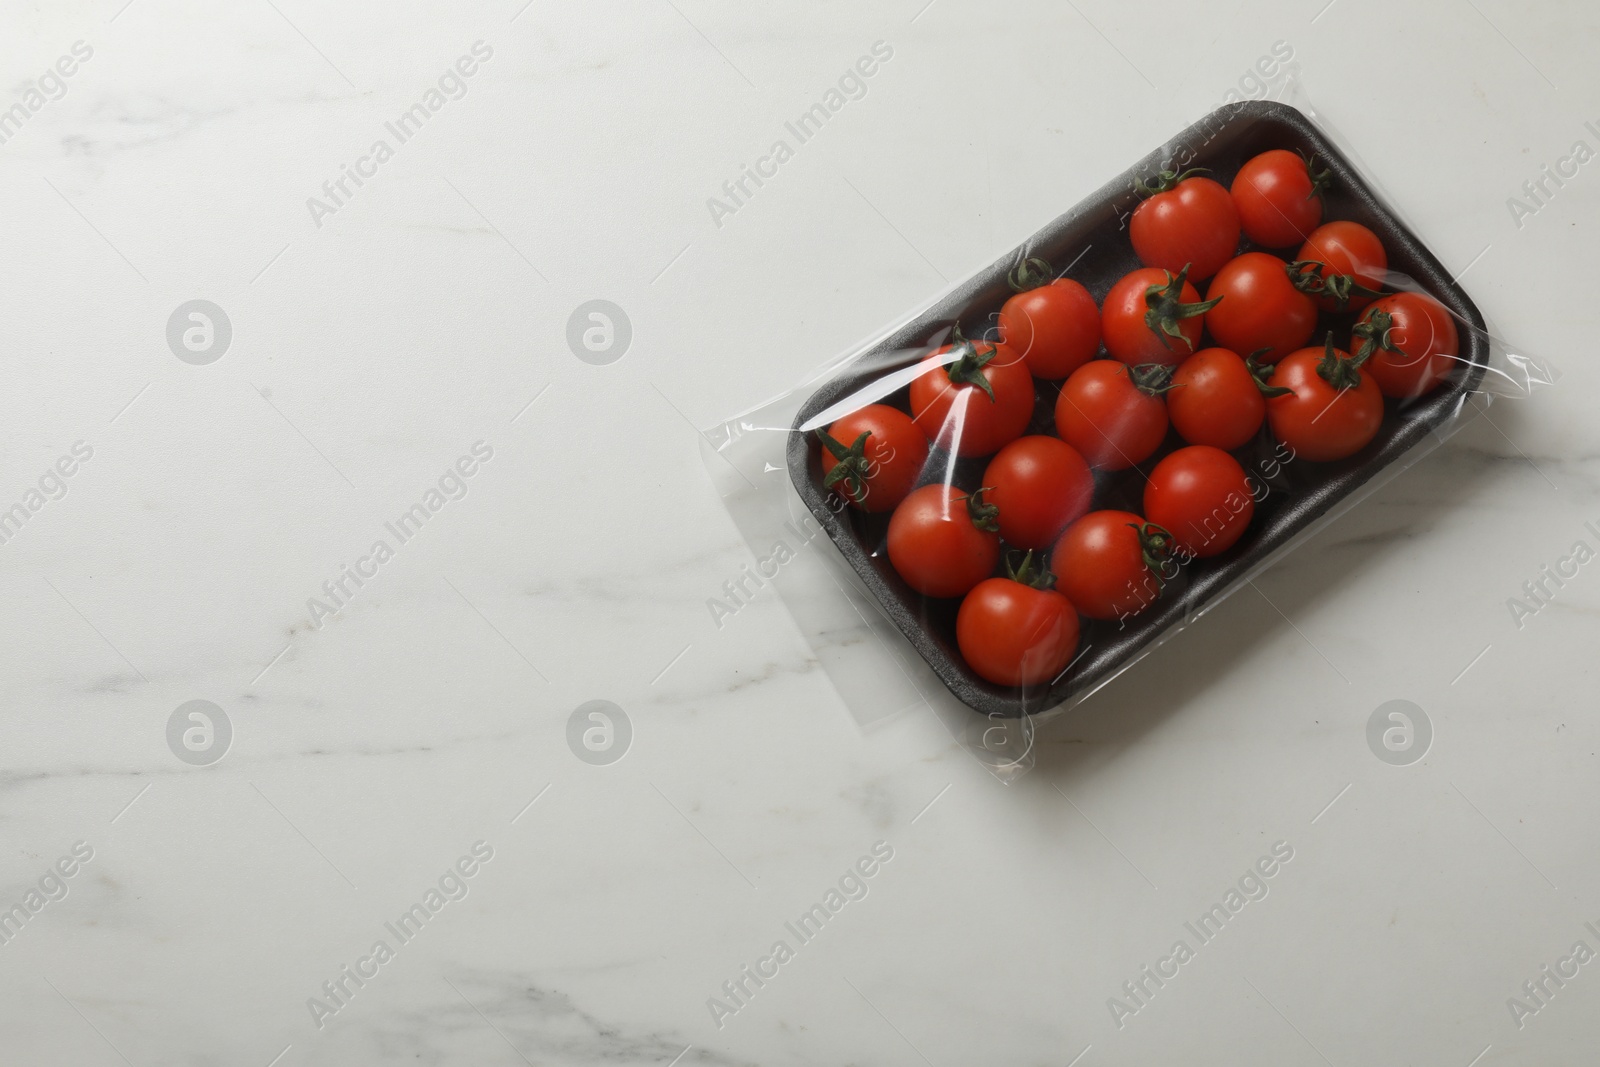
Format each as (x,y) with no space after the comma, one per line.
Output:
(441,706)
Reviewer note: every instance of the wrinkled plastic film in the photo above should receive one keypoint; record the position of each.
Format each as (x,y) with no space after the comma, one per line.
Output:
(887,650)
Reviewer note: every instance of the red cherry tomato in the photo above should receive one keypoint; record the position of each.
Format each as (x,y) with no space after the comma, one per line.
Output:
(1040,484)
(1202,497)
(1054,324)
(1109,564)
(1152,316)
(1216,399)
(974,402)
(1260,308)
(1113,414)
(942,540)
(1186,222)
(1331,410)
(1409,342)
(1279,198)
(873,456)
(1014,633)
(1349,255)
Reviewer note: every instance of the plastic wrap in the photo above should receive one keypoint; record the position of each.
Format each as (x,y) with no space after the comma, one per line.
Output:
(888,648)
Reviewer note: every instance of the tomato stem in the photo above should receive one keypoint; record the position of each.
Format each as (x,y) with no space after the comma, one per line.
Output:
(985,516)
(1167,308)
(1151,379)
(1374,330)
(1155,549)
(1165,181)
(1311,277)
(1340,371)
(968,368)
(1031,273)
(1260,372)
(1029,572)
(1320,179)
(853,465)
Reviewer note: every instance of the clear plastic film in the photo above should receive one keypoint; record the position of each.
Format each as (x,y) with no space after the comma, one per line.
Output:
(951,367)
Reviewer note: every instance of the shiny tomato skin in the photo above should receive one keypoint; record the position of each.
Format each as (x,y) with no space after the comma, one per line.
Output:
(1214,400)
(985,425)
(935,546)
(1345,247)
(1428,341)
(1040,484)
(1319,422)
(1194,224)
(1276,199)
(1129,338)
(1099,565)
(1202,497)
(1103,415)
(1260,308)
(895,450)
(1055,327)
(1013,634)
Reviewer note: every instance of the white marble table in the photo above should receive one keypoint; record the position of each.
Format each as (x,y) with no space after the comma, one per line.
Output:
(404,741)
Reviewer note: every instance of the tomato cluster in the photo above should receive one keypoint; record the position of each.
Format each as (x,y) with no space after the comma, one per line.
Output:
(1023,547)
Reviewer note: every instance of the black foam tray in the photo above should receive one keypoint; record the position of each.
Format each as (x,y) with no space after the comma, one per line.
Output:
(1301,491)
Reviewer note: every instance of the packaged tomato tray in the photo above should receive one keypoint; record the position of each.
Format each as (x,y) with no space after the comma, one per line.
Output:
(1065,458)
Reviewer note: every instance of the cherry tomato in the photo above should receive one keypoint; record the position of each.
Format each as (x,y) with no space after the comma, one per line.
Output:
(873,456)
(942,540)
(1054,324)
(972,397)
(1260,308)
(1012,631)
(1113,414)
(1040,484)
(1409,344)
(1186,221)
(1279,198)
(1331,410)
(1109,563)
(1347,256)
(1153,316)
(1217,399)
(1202,497)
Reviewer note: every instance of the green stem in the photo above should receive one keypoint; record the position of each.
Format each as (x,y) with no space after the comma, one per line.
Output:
(852,468)
(1167,309)
(1341,372)
(1320,179)
(984,516)
(968,368)
(1030,572)
(1260,372)
(1166,181)
(1155,548)
(1031,273)
(1311,277)
(1374,330)
(1151,379)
